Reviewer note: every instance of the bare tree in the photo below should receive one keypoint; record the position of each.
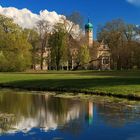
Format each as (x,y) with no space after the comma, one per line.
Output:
(44,29)
(121,38)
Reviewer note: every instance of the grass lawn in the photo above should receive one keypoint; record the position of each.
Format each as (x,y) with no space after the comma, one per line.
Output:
(114,82)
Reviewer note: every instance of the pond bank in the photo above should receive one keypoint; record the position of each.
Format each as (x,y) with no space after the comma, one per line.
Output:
(61,91)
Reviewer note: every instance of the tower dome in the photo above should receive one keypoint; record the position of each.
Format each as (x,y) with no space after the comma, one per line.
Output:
(88,26)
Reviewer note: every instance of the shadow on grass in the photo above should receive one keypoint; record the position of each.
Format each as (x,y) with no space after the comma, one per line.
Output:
(74,83)
(115,74)
(122,87)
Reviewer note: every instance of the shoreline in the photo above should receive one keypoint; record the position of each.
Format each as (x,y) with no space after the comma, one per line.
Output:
(74,91)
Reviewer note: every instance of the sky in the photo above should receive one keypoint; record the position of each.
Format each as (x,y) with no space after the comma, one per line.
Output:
(98,11)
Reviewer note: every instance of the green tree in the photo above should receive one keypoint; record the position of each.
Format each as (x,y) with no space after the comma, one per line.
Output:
(84,56)
(8,26)
(58,45)
(33,38)
(14,47)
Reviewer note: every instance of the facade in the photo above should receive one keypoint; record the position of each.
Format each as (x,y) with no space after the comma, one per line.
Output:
(99,52)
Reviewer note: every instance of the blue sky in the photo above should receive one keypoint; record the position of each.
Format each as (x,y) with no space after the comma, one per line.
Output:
(99,11)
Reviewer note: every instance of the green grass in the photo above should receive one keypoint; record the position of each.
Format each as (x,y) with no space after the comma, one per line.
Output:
(114,82)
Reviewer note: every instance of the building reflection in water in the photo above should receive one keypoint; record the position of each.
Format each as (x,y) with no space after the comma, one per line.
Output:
(89,112)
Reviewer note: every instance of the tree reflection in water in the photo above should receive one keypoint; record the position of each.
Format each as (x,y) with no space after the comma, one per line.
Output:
(118,115)
(37,111)
(50,113)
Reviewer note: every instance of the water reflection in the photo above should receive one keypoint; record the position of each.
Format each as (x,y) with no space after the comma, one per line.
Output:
(89,112)
(36,111)
(21,112)
(118,115)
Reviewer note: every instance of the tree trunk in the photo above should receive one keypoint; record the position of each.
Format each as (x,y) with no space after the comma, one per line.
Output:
(41,59)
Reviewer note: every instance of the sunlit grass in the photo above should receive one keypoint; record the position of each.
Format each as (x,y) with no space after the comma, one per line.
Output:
(115,82)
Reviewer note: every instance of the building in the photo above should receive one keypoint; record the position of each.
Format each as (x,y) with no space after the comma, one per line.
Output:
(99,51)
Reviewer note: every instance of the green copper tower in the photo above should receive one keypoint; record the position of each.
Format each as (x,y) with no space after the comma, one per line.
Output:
(89,33)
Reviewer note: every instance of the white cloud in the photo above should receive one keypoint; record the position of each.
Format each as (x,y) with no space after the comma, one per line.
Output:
(26,19)
(134,2)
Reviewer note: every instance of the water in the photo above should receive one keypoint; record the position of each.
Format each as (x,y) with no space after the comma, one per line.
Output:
(36,116)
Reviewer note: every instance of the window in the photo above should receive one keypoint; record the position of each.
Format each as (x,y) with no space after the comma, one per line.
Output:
(106,60)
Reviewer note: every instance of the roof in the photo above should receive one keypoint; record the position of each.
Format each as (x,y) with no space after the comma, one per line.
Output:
(88,26)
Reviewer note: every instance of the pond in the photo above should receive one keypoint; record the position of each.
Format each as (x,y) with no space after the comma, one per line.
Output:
(42,116)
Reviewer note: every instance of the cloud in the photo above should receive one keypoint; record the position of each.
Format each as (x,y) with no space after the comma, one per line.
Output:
(26,19)
(134,2)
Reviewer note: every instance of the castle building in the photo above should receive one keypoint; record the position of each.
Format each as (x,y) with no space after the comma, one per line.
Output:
(99,51)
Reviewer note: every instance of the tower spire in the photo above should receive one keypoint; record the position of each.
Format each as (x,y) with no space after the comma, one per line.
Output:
(88,20)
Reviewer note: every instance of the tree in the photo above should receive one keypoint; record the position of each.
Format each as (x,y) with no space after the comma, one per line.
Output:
(76,18)
(33,38)
(8,26)
(84,56)
(15,53)
(44,29)
(14,47)
(58,44)
(121,39)
(74,33)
